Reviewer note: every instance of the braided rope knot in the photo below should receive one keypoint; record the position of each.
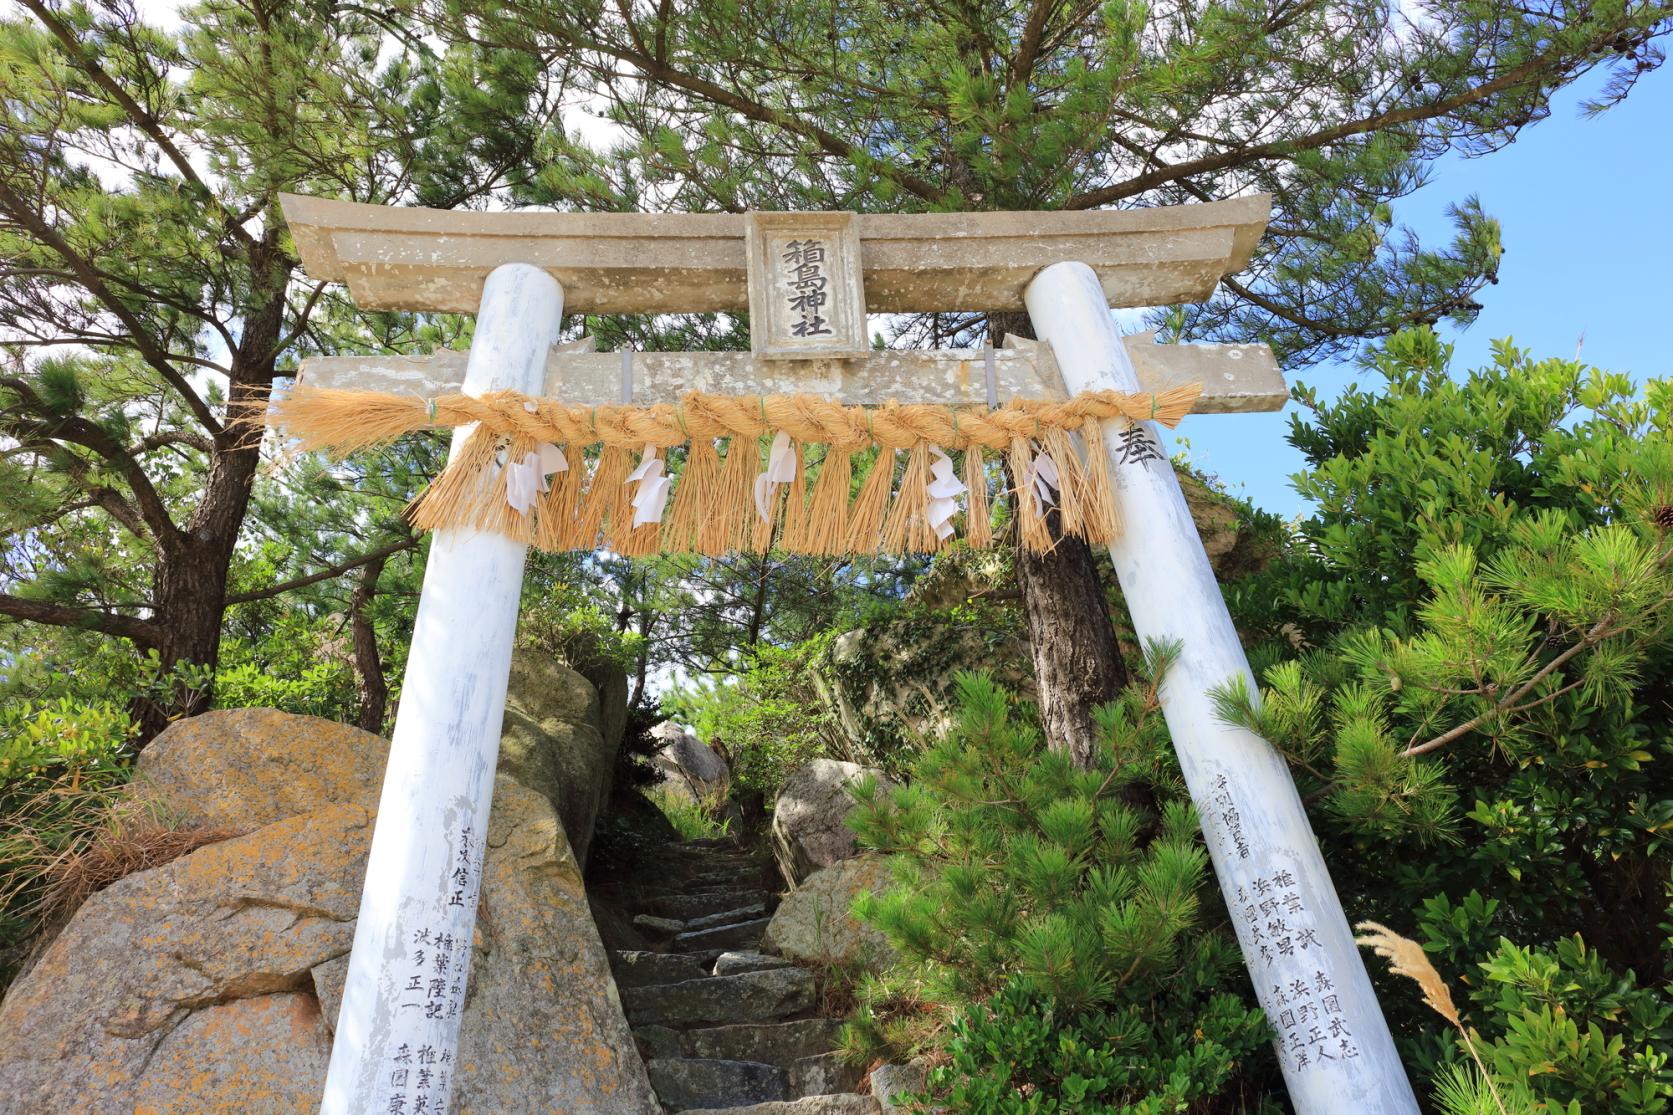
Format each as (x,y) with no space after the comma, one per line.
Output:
(344,421)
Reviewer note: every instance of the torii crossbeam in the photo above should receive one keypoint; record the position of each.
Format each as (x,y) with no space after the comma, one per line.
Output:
(808,281)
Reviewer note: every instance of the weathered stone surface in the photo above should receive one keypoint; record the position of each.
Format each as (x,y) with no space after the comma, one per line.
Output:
(691,906)
(776,1043)
(731,963)
(751,996)
(686,1082)
(190,984)
(555,740)
(690,768)
(287,1049)
(1234,378)
(808,830)
(810,1105)
(240,769)
(728,917)
(658,1041)
(328,988)
(694,263)
(813,922)
(642,969)
(889,1083)
(823,1074)
(740,934)
(657,928)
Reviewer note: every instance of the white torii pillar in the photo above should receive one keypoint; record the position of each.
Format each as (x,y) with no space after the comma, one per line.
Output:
(1334,1046)
(396,1046)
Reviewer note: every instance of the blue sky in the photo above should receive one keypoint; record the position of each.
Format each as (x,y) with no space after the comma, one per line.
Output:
(1586,208)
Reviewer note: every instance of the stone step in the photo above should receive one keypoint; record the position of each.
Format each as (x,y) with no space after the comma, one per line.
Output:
(809,1105)
(698,905)
(642,969)
(743,934)
(658,929)
(731,963)
(682,1083)
(659,1041)
(746,912)
(747,997)
(775,1043)
(822,1075)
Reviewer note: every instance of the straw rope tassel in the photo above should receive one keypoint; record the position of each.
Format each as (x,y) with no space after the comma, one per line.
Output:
(1071,475)
(343,421)
(694,494)
(1103,514)
(1031,522)
(865,517)
(794,538)
(827,513)
(608,485)
(465,487)
(556,509)
(728,527)
(978,517)
(907,529)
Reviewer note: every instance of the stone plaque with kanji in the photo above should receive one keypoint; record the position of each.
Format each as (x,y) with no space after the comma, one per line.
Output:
(806,294)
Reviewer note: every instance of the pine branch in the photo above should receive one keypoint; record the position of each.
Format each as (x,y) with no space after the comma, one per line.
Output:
(326,574)
(140,631)
(87,275)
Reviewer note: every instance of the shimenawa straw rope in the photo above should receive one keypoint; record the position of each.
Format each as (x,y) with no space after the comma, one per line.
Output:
(714,508)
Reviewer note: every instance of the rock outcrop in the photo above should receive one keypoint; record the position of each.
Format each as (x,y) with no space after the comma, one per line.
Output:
(813,923)
(557,739)
(690,767)
(809,828)
(211,983)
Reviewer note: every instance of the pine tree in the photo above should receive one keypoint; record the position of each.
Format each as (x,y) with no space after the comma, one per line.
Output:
(140,231)
(1336,110)
(1049,919)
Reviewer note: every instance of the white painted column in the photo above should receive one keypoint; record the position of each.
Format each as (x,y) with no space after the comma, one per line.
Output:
(397,1038)
(1333,1043)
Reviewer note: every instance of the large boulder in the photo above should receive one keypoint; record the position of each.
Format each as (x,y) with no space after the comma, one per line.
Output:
(557,739)
(809,829)
(813,923)
(210,983)
(690,768)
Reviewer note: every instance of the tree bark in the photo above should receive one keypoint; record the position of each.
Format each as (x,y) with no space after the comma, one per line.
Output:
(1077,664)
(369,682)
(190,584)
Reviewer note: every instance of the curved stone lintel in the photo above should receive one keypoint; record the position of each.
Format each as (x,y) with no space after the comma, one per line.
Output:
(409,258)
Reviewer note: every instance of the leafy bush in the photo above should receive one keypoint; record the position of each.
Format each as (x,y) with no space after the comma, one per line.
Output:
(1468,659)
(1049,918)
(61,765)
(768,720)
(575,634)
(693,820)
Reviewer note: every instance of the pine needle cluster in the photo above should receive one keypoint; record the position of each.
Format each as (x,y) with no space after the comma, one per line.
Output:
(1049,918)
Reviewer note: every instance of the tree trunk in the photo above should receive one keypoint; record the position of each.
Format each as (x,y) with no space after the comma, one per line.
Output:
(369,682)
(1077,664)
(190,584)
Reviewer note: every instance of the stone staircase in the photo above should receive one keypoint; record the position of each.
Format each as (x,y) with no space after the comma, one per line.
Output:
(722,1026)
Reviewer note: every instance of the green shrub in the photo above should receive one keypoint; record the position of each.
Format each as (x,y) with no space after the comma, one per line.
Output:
(693,820)
(1049,920)
(61,765)
(577,635)
(768,719)
(1467,657)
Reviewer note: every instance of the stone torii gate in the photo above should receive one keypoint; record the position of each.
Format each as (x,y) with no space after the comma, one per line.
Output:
(397,1032)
